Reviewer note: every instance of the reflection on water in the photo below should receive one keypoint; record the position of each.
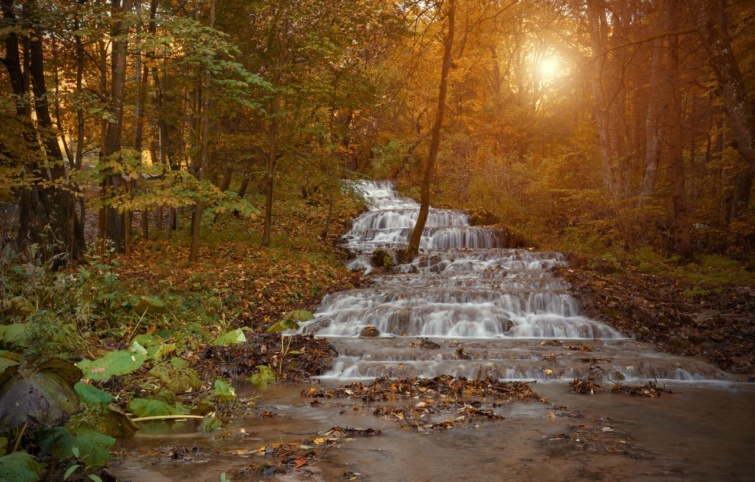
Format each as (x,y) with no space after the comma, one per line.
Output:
(699,433)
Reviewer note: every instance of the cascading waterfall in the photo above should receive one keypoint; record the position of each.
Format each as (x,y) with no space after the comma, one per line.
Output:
(492,311)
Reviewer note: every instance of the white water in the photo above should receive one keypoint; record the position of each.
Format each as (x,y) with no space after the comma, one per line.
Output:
(495,312)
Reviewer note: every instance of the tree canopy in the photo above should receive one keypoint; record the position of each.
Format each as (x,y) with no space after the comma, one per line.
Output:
(621,124)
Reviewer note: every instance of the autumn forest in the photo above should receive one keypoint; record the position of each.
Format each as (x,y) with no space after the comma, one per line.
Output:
(174,173)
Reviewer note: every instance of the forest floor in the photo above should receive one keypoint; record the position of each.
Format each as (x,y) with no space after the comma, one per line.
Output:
(717,324)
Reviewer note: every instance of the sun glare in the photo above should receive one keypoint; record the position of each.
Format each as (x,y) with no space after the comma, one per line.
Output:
(549,68)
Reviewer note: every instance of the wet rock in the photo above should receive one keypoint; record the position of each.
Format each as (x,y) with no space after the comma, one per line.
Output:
(382,259)
(369,331)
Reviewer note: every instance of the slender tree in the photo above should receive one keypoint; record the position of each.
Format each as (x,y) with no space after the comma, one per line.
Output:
(435,134)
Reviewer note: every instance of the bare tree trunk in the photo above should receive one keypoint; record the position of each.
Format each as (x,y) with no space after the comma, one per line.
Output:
(58,204)
(272,159)
(424,208)
(196,220)
(599,65)
(227,178)
(114,224)
(653,121)
(680,221)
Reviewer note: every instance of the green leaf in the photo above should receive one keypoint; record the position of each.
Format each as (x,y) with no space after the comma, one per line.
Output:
(117,362)
(224,390)
(9,359)
(70,471)
(264,375)
(13,335)
(91,395)
(137,348)
(290,321)
(299,315)
(20,467)
(93,447)
(142,407)
(43,396)
(210,422)
(231,338)
(177,379)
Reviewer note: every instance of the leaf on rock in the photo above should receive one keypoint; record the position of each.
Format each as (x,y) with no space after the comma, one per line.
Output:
(44,396)
(20,467)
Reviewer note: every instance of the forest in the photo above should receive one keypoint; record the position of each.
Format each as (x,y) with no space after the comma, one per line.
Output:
(172,177)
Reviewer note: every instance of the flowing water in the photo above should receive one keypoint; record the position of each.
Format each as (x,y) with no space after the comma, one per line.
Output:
(469,306)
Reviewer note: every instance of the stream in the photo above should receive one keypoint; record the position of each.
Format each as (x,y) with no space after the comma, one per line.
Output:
(469,306)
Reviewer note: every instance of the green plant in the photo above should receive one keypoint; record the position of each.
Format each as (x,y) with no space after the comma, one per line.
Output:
(290,321)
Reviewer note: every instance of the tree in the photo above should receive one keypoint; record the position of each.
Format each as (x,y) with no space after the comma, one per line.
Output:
(47,215)
(112,220)
(448,43)
(710,18)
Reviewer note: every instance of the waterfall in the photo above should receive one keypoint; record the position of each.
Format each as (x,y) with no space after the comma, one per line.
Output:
(492,310)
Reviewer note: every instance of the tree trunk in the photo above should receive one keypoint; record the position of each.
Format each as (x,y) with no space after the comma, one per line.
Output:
(57,203)
(272,158)
(114,223)
(424,208)
(653,121)
(196,220)
(680,221)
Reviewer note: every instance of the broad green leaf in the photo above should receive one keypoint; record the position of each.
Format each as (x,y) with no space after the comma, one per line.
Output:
(20,467)
(88,445)
(224,390)
(142,407)
(231,338)
(264,375)
(91,395)
(298,315)
(9,359)
(43,396)
(13,335)
(283,325)
(117,362)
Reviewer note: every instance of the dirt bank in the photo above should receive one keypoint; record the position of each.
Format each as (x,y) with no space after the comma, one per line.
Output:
(718,326)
